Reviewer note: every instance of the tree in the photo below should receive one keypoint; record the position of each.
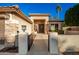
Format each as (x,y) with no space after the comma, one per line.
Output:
(58,9)
(72,16)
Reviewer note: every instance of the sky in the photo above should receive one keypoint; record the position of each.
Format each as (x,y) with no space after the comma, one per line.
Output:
(49,8)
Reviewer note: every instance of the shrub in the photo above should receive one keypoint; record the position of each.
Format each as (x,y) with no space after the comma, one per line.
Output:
(69,29)
(60,32)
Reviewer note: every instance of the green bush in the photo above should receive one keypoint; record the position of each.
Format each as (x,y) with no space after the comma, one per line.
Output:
(54,30)
(72,16)
(60,32)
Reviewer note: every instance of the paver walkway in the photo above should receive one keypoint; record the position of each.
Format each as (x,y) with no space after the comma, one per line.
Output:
(39,46)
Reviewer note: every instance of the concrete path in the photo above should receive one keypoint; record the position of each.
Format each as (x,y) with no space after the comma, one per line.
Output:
(39,46)
(1,46)
(41,36)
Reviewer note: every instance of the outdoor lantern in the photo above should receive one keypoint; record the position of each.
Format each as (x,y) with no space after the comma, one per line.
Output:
(17,32)
(23,28)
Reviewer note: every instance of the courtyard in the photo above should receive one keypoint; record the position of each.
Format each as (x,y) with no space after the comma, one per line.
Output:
(42,32)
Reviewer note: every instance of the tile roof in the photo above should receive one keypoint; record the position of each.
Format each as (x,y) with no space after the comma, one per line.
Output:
(15,10)
(54,19)
(39,14)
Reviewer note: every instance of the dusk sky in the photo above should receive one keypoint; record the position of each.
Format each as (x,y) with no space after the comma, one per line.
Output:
(50,8)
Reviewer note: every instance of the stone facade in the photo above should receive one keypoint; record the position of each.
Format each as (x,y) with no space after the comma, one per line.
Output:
(11,22)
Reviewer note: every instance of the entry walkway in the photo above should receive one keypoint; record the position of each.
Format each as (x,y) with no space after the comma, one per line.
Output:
(40,45)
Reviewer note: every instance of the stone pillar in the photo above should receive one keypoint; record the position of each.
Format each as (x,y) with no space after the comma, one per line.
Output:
(53,43)
(23,44)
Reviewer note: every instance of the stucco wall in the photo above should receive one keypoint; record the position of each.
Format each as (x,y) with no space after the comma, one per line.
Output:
(45,18)
(22,22)
(59,24)
(68,42)
(39,17)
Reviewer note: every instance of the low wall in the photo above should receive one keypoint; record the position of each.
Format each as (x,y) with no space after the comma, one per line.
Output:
(68,42)
(71,32)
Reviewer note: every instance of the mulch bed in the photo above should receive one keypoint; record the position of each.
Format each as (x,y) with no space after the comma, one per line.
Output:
(71,53)
(10,49)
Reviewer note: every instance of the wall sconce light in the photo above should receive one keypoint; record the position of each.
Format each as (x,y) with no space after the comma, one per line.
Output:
(23,28)
(17,32)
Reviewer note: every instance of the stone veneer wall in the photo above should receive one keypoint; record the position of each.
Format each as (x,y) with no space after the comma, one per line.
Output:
(2,29)
(13,25)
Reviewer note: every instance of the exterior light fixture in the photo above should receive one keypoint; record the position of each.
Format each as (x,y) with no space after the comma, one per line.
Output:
(23,28)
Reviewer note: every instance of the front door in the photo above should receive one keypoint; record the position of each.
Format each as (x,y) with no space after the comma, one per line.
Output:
(56,27)
(41,28)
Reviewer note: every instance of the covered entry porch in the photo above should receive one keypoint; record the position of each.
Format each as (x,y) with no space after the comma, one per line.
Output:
(40,22)
(40,26)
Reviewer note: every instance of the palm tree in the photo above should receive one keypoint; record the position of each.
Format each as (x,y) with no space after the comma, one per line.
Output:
(58,9)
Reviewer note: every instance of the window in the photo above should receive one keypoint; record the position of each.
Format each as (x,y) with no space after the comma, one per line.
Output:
(52,27)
